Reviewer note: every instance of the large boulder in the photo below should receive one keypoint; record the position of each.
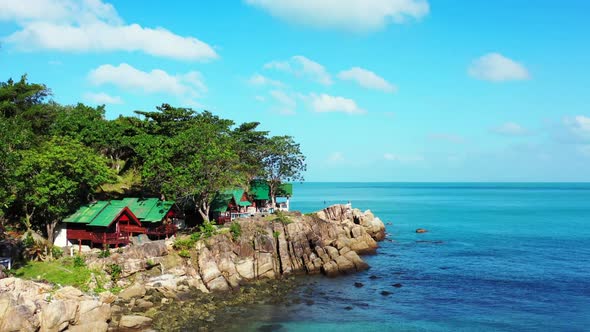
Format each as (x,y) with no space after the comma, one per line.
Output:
(134,322)
(93,311)
(134,291)
(147,250)
(58,315)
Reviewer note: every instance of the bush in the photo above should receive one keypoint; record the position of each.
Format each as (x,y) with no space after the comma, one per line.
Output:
(184,243)
(115,271)
(195,236)
(57,252)
(276,234)
(28,241)
(282,218)
(184,253)
(236,230)
(79,261)
(207,229)
(104,253)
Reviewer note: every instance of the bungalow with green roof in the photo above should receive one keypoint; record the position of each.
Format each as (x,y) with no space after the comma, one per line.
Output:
(260,193)
(155,215)
(114,222)
(103,222)
(229,204)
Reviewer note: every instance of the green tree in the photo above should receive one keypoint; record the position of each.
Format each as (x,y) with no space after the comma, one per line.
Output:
(55,179)
(283,161)
(250,145)
(20,97)
(188,156)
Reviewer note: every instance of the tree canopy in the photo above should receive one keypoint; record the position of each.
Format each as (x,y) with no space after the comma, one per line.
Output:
(54,158)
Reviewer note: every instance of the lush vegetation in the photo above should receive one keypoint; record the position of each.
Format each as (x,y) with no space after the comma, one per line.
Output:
(65,272)
(54,158)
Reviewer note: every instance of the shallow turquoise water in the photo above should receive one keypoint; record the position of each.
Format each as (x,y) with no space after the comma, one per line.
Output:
(497,257)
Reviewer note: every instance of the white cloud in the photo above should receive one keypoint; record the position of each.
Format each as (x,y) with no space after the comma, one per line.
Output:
(187,86)
(447,137)
(260,99)
(403,158)
(102,98)
(301,66)
(367,79)
(335,157)
(351,15)
(510,129)
(261,80)
(57,10)
(324,103)
(286,103)
(92,26)
(578,126)
(497,68)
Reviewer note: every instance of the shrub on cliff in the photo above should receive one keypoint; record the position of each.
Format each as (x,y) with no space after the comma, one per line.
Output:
(236,230)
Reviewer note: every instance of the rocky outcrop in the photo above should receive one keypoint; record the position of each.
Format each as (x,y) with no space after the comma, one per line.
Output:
(151,274)
(345,214)
(31,306)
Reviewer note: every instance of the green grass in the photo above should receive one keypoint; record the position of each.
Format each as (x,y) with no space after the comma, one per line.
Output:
(60,272)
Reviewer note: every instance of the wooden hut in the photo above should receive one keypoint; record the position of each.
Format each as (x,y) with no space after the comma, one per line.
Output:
(229,204)
(114,222)
(155,215)
(103,222)
(260,193)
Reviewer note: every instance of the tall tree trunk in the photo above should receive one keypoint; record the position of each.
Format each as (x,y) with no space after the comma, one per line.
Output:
(204,211)
(272,193)
(50,231)
(29,218)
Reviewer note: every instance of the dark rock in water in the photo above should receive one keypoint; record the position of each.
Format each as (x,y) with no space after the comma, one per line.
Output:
(358,284)
(386,293)
(270,328)
(398,285)
(348,308)
(373,277)
(309,302)
(421,230)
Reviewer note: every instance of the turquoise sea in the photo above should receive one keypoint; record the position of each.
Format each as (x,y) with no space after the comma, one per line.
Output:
(497,257)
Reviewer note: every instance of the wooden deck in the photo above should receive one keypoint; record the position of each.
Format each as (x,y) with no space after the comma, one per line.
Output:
(119,238)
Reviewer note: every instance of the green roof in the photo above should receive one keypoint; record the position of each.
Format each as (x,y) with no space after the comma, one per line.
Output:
(107,215)
(87,213)
(148,209)
(221,201)
(285,190)
(259,189)
(101,214)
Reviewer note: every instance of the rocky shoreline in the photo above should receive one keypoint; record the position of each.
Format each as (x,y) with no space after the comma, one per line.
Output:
(221,272)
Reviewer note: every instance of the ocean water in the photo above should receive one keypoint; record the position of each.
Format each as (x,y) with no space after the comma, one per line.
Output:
(497,257)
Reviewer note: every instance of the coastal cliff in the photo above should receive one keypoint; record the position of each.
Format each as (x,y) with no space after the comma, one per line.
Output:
(153,274)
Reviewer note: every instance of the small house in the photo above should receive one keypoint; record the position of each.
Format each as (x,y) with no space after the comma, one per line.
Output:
(156,216)
(114,222)
(260,193)
(229,204)
(103,222)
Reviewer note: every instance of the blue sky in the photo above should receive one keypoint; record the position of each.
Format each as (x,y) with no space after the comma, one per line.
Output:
(374,90)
